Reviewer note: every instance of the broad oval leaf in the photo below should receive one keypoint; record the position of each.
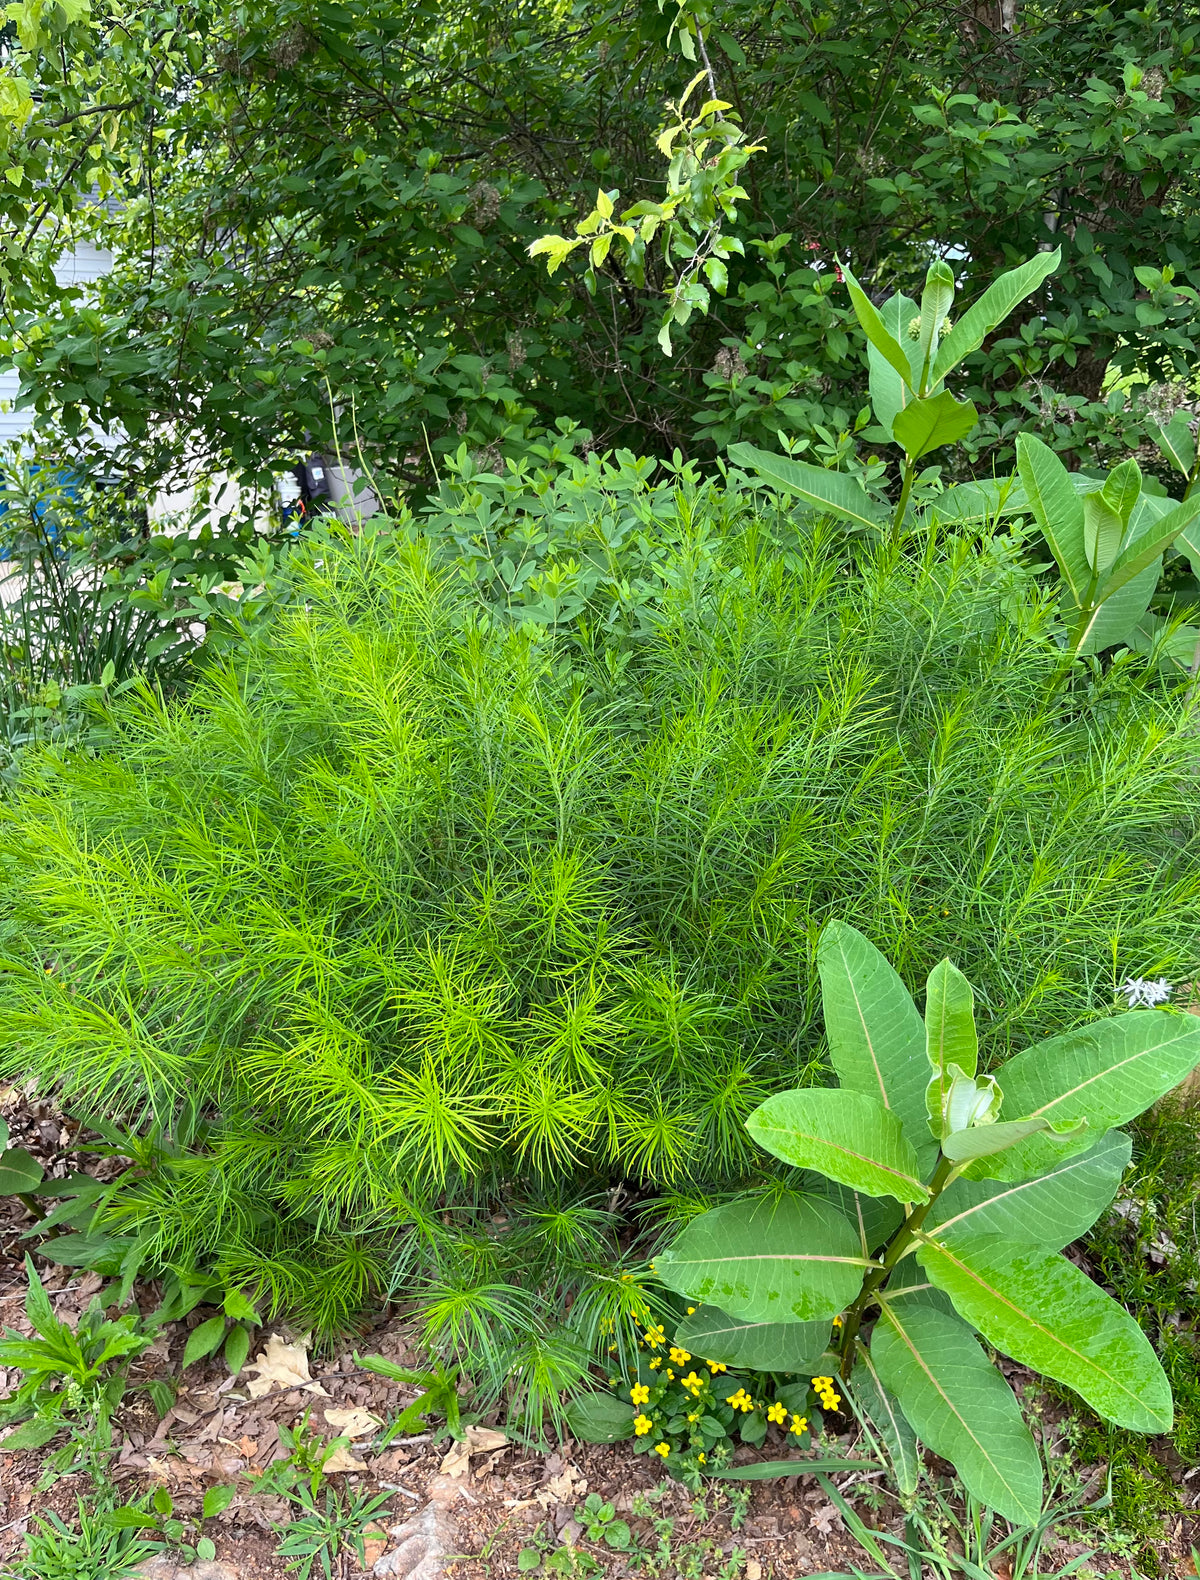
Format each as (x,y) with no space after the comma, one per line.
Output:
(599,1418)
(950,1036)
(203,1341)
(1058,509)
(1106,1073)
(992,308)
(1033,1304)
(933,421)
(1053,1209)
(832,493)
(1176,443)
(19,1173)
(791,1260)
(889,392)
(876,1218)
(882,1411)
(1103,530)
(876,1037)
(848,1136)
(876,331)
(958,1403)
(985,1141)
(758,1346)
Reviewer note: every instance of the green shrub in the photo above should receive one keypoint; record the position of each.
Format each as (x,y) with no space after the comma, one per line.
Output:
(412,908)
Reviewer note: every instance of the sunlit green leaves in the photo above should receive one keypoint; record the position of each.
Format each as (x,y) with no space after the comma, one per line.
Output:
(960,1406)
(792,1260)
(1038,1307)
(758,1346)
(832,493)
(848,1136)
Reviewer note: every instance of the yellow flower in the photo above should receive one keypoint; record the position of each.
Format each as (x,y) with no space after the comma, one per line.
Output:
(716,1366)
(831,1400)
(662,1448)
(691,1311)
(702,1459)
(680,1357)
(694,1418)
(777,1412)
(639,1394)
(670,1375)
(837,1322)
(694,1383)
(656,1363)
(642,1424)
(799,1425)
(655,1337)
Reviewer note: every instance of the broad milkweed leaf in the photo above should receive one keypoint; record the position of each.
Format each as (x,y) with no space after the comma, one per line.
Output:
(599,1418)
(1152,542)
(958,1403)
(757,1346)
(1051,1209)
(1122,488)
(936,301)
(874,327)
(950,1035)
(933,421)
(876,1218)
(792,1260)
(992,308)
(882,1411)
(1058,510)
(1107,1073)
(984,1141)
(987,501)
(774,1469)
(1044,1312)
(1177,444)
(889,392)
(876,1037)
(1117,617)
(832,493)
(1102,531)
(848,1136)
(909,1285)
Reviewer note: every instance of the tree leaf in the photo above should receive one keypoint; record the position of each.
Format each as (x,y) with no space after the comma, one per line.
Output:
(928,423)
(992,308)
(1052,1209)
(1058,510)
(832,493)
(203,1341)
(958,1403)
(848,1136)
(950,1035)
(757,1346)
(1040,1309)
(874,327)
(876,1037)
(19,1173)
(1106,1073)
(791,1260)
(883,1412)
(599,1418)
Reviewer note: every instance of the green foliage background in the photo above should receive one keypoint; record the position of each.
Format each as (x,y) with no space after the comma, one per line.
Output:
(325,208)
(411,904)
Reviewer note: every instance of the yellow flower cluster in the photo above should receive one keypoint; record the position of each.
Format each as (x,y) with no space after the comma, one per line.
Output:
(741,1400)
(716,1366)
(693,1383)
(825,1392)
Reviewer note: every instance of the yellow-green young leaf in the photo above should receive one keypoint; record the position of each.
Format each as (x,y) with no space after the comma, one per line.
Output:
(983,1141)
(936,300)
(16,98)
(960,1406)
(1106,1073)
(848,1136)
(932,421)
(600,248)
(758,1346)
(792,1260)
(1044,1312)
(875,329)
(1052,1209)
(1122,488)
(950,1035)
(876,1037)
(832,493)
(1103,530)
(217,1500)
(604,205)
(1058,510)
(992,308)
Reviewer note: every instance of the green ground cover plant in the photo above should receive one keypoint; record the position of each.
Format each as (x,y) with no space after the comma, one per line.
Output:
(414,910)
(953,1195)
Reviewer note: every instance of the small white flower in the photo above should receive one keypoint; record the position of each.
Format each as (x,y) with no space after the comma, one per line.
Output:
(1140,990)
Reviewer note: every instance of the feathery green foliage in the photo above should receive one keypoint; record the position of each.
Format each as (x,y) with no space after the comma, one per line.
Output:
(412,909)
